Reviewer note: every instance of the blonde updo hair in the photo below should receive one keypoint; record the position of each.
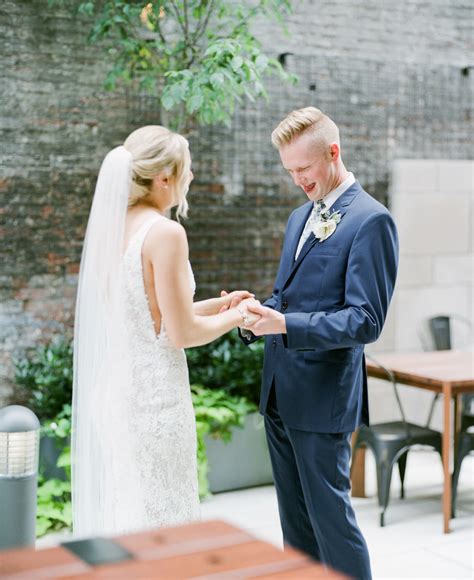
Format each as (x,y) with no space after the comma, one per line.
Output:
(311,121)
(156,149)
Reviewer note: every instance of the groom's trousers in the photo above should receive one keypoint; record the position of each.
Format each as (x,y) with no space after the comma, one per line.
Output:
(311,473)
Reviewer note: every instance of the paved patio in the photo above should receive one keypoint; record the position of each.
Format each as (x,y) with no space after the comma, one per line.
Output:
(411,545)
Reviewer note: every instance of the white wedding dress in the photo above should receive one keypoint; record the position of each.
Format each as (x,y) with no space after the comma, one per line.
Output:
(155,483)
(133,438)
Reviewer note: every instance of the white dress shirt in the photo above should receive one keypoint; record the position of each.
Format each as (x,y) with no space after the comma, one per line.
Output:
(329,200)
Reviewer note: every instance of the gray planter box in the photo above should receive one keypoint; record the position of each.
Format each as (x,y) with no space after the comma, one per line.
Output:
(244,461)
(50,450)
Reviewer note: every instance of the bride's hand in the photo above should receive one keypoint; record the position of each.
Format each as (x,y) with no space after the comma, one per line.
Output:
(233,299)
(248,318)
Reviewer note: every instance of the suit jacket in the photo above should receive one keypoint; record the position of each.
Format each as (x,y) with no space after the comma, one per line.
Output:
(335,299)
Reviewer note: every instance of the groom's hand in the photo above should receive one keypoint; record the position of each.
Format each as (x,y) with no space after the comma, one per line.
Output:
(270,321)
(233,299)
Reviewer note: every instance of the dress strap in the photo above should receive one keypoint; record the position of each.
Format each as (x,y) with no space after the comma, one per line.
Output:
(139,236)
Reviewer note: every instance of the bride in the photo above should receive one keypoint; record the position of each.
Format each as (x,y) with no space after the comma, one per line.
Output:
(134,437)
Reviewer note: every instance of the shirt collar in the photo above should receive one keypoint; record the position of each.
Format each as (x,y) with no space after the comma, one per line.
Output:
(333,195)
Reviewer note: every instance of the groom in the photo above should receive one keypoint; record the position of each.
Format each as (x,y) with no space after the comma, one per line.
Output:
(334,284)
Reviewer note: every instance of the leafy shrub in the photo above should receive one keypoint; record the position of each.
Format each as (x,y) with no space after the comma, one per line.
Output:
(54,508)
(47,376)
(228,364)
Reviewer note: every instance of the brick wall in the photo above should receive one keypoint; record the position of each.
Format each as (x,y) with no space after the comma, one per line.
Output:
(429,31)
(388,74)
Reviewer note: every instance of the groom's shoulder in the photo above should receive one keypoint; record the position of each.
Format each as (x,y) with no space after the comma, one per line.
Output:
(366,203)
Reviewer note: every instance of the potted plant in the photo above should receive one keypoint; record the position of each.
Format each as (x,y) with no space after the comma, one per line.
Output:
(233,369)
(217,416)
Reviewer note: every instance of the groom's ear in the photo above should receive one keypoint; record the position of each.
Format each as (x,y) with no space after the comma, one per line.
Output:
(334,151)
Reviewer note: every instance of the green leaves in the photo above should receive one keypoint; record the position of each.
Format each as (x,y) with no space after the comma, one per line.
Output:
(54,510)
(60,426)
(46,374)
(216,413)
(200,56)
(227,364)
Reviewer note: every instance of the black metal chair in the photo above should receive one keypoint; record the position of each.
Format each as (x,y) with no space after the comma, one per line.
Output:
(440,332)
(390,442)
(439,328)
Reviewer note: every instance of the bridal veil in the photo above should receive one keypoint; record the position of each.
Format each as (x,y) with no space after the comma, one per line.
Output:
(99,446)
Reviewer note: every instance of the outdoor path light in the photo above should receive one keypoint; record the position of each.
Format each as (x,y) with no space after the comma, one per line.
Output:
(19,446)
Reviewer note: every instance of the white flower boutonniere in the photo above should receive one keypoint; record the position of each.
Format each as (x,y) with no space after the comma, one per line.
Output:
(326,225)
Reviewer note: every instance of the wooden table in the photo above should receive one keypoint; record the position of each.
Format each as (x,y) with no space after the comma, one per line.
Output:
(448,372)
(205,550)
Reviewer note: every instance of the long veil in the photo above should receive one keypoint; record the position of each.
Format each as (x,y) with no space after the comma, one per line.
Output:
(102,473)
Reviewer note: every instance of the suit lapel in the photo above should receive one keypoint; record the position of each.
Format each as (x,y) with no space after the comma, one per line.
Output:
(341,205)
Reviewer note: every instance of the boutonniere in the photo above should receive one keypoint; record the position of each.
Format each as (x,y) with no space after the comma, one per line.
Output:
(326,225)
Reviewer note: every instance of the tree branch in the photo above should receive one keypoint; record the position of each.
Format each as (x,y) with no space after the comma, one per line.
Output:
(186,23)
(178,18)
(159,31)
(200,30)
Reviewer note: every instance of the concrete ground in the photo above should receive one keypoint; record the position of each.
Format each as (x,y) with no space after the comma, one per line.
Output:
(411,545)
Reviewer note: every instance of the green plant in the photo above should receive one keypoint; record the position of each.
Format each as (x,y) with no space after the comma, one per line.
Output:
(199,56)
(46,374)
(228,364)
(216,413)
(54,508)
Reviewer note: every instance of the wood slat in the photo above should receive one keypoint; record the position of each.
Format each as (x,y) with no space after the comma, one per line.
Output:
(26,564)
(211,550)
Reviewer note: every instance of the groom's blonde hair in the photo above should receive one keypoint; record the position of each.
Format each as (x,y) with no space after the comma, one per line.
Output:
(309,120)
(156,149)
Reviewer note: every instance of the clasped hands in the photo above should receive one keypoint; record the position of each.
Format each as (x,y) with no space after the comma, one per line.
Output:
(259,319)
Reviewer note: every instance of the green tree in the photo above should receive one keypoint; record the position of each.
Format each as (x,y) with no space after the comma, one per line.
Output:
(200,56)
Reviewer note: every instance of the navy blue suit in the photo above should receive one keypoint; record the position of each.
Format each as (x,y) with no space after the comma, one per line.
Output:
(335,298)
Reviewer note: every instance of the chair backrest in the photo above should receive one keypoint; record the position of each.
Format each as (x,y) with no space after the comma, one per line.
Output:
(440,328)
(446,331)
(440,334)
(392,379)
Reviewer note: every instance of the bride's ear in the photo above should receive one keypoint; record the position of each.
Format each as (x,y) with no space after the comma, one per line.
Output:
(161,181)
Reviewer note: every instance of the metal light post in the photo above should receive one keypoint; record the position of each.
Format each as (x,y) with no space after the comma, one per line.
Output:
(19,447)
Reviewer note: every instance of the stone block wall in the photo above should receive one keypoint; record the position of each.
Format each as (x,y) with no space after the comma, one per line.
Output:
(432,203)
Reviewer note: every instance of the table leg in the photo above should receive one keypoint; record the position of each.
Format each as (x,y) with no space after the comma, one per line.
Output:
(358,470)
(457,423)
(446,456)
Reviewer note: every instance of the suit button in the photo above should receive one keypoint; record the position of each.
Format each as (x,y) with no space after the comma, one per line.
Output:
(274,343)
(284,305)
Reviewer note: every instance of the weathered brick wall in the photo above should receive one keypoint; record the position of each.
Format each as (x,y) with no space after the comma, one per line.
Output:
(422,31)
(57,123)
